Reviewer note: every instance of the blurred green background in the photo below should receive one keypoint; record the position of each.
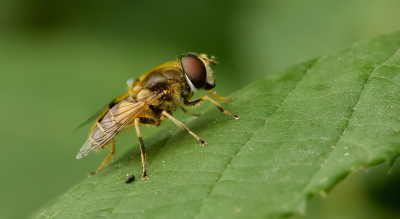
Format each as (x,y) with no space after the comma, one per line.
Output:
(61,61)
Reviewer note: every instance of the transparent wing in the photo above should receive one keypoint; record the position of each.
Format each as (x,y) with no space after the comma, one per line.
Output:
(119,116)
(93,117)
(103,110)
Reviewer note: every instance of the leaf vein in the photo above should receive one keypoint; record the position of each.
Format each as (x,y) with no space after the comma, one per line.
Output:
(266,121)
(347,125)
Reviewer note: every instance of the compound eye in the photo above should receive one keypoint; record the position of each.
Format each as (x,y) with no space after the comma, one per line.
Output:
(195,69)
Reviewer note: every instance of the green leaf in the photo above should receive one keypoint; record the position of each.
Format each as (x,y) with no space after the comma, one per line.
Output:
(300,133)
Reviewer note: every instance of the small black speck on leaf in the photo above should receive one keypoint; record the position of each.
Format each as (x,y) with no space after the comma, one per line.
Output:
(130,179)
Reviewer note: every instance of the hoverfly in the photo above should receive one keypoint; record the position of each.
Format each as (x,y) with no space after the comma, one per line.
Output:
(151,99)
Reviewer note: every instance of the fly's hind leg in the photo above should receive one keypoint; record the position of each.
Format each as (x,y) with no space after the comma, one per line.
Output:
(148,121)
(107,158)
(197,102)
(182,126)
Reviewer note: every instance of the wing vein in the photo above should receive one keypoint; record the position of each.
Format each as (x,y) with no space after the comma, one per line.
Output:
(118,117)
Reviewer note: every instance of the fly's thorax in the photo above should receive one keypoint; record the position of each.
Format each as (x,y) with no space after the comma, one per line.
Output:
(171,97)
(156,81)
(169,81)
(162,78)
(143,93)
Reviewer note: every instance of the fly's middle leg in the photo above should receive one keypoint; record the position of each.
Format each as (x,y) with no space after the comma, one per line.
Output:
(182,126)
(197,102)
(112,152)
(142,149)
(192,114)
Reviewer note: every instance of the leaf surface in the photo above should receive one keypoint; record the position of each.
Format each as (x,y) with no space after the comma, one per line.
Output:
(300,133)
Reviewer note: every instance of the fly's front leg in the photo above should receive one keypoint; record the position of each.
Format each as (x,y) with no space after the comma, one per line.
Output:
(202,99)
(112,152)
(182,126)
(142,149)
(218,97)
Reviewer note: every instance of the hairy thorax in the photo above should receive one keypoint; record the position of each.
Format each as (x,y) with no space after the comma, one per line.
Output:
(169,82)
